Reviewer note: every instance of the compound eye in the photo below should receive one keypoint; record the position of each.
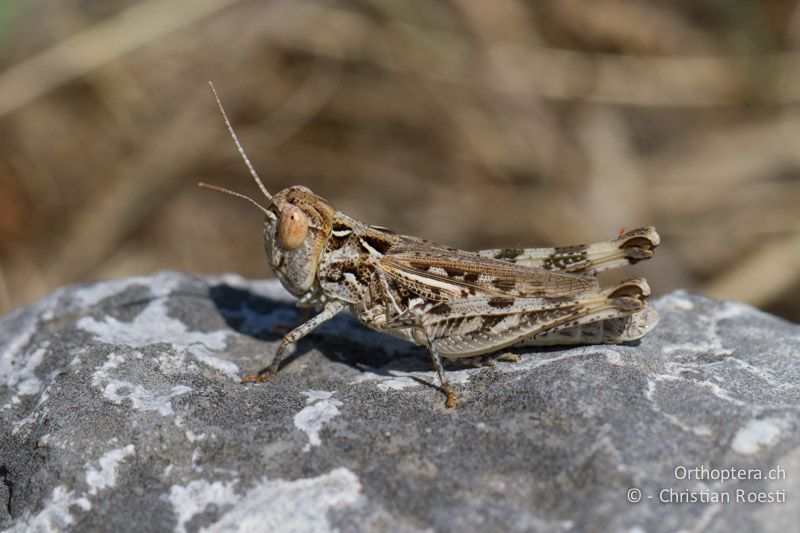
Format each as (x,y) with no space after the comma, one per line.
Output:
(293,226)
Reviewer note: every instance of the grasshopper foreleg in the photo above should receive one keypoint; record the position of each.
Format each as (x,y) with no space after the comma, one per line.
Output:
(265,374)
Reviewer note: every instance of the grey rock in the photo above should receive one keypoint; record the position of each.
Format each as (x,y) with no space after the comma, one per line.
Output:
(122,410)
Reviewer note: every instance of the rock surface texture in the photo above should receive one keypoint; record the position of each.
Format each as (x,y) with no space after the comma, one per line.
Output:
(122,410)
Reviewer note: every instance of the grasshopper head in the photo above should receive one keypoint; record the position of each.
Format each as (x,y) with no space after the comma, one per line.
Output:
(295,235)
(297,224)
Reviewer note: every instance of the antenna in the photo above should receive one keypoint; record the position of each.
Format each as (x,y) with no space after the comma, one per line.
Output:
(241,150)
(263,209)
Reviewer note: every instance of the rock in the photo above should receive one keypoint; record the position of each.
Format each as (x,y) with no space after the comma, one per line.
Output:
(121,409)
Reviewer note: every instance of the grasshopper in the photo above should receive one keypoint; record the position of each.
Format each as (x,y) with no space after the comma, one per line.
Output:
(457,303)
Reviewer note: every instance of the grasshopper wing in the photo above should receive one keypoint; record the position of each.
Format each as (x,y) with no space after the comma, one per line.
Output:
(448,274)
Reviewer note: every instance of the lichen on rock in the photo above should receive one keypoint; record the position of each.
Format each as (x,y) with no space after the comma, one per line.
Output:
(120,402)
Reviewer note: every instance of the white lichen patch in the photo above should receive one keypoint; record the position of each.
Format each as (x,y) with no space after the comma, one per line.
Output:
(757,436)
(105,475)
(394,383)
(101,373)
(300,505)
(22,379)
(25,379)
(314,395)
(117,391)
(12,343)
(204,356)
(152,326)
(17,330)
(55,515)
(162,284)
(197,496)
(19,327)
(322,409)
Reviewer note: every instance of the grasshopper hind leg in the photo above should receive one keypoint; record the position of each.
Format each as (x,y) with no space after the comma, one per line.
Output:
(628,248)
(443,383)
(614,330)
(631,318)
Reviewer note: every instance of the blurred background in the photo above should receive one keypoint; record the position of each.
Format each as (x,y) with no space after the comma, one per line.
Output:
(477,124)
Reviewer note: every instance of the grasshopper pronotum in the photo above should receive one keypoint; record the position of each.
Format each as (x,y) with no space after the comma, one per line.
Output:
(456,303)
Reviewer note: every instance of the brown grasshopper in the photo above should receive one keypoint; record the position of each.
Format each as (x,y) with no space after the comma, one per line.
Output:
(456,303)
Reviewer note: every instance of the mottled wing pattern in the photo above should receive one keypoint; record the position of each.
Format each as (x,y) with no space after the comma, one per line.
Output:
(446,274)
